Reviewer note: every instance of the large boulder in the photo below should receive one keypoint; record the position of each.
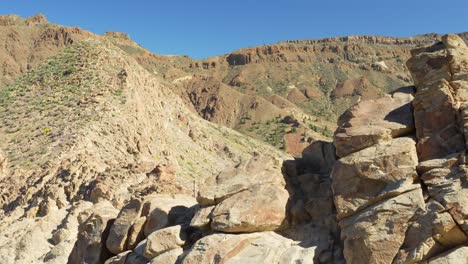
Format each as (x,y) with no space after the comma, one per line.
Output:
(260,208)
(264,247)
(373,121)
(94,228)
(381,171)
(248,198)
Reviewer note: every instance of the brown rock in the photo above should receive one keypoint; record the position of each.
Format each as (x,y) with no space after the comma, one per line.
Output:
(169,257)
(117,240)
(373,121)
(136,234)
(296,96)
(375,173)
(119,259)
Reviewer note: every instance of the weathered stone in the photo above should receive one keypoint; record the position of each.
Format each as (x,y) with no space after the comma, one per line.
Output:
(202,218)
(265,247)
(258,170)
(167,210)
(90,247)
(376,234)
(435,116)
(164,240)
(117,240)
(456,256)
(429,67)
(370,175)
(262,207)
(373,121)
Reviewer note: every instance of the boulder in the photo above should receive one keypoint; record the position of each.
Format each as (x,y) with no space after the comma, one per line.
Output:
(259,208)
(258,170)
(166,210)
(376,234)
(164,240)
(117,240)
(264,247)
(136,234)
(319,157)
(121,258)
(373,121)
(375,173)
(93,229)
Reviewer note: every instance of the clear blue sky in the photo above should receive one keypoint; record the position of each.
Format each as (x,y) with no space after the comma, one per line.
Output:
(202,28)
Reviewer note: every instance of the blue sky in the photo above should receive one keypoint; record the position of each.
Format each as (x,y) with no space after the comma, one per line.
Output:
(202,28)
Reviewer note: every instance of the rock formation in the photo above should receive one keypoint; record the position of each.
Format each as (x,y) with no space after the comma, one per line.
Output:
(399,187)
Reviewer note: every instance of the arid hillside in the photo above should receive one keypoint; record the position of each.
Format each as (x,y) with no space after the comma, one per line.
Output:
(295,88)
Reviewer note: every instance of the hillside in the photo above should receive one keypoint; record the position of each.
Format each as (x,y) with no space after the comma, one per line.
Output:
(306,83)
(90,123)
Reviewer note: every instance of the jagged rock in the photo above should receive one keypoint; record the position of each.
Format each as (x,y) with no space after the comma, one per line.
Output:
(430,234)
(117,240)
(60,235)
(373,121)
(93,229)
(169,257)
(167,210)
(456,256)
(265,247)
(202,218)
(375,173)
(376,234)
(259,208)
(164,240)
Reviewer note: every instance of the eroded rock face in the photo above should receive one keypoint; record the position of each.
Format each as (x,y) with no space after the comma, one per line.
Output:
(3,164)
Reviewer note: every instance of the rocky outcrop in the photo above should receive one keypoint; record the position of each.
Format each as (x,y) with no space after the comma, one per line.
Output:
(399,187)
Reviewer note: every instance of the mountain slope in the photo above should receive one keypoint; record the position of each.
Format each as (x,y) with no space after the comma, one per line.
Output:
(91,123)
